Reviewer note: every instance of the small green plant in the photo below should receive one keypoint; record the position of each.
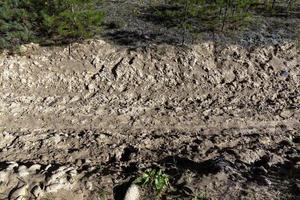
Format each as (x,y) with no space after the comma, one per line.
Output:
(156,179)
(201,196)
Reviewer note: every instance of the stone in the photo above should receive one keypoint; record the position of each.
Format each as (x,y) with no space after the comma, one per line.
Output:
(23,49)
(96,62)
(286,114)
(55,187)
(37,191)
(19,193)
(11,166)
(133,193)
(23,173)
(34,168)
(89,185)
(229,76)
(4,176)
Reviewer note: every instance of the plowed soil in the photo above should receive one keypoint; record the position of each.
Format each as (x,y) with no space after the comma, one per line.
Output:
(83,124)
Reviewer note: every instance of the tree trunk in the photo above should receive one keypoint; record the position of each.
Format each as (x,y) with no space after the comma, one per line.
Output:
(273,4)
(225,16)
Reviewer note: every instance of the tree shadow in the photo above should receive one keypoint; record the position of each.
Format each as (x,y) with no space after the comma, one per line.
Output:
(211,166)
(258,172)
(3,165)
(151,25)
(131,38)
(154,25)
(289,174)
(119,191)
(278,9)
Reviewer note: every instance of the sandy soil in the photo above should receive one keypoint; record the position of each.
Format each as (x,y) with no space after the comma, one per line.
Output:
(220,120)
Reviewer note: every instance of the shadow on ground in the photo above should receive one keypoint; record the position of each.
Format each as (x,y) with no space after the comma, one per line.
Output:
(134,24)
(150,27)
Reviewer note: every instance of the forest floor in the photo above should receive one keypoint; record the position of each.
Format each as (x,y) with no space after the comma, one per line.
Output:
(220,118)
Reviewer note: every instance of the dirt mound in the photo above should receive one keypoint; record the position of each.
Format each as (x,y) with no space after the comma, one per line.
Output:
(223,120)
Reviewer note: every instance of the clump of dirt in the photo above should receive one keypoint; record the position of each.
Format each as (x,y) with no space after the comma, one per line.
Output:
(219,120)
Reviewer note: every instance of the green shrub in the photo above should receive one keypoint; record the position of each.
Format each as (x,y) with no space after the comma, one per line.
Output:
(71,19)
(15,23)
(23,21)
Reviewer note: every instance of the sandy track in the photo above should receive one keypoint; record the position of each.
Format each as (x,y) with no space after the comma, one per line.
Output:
(227,117)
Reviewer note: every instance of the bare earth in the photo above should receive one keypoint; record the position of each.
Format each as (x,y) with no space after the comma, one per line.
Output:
(223,121)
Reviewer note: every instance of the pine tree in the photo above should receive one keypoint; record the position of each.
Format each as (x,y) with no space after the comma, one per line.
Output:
(68,20)
(15,25)
(23,21)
